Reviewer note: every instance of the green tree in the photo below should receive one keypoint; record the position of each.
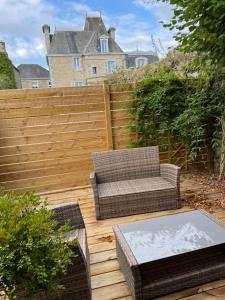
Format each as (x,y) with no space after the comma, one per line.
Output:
(7,80)
(200,26)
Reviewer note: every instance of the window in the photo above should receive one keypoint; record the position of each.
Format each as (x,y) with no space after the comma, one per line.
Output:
(77,63)
(94,70)
(141,62)
(104,45)
(34,85)
(49,84)
(110,66)
(77,83)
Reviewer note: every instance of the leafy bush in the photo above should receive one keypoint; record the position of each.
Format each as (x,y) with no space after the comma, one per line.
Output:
(168,108)
(32,252)
(7,80)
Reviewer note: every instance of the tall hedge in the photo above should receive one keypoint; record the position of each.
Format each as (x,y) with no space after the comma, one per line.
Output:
(7,79)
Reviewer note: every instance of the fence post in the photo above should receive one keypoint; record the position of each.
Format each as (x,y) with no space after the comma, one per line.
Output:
(106,91)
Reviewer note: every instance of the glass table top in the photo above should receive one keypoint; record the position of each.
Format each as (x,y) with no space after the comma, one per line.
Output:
(172,235)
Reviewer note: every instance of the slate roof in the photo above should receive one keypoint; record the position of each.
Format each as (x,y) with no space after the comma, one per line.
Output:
(130,57)
(33,71)
(82,42)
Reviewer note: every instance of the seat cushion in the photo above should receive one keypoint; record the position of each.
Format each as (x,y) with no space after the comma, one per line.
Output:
(141,185)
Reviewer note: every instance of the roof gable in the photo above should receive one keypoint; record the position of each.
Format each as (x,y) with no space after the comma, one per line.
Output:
(82,42)
(95,24)
(33,71)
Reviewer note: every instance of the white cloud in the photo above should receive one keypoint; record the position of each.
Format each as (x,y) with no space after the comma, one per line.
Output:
(21,25)
(162,11)
(25,49)
(84,9)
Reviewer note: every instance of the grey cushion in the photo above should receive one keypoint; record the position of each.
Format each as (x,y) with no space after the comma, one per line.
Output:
(133,186)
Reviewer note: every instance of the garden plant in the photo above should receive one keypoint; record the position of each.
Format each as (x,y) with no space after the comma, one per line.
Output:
(32,253)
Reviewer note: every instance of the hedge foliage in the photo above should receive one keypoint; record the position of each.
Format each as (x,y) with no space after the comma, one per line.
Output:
(7,79)
(167,108)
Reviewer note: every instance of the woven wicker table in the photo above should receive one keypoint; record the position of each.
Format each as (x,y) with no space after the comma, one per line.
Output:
(170,253)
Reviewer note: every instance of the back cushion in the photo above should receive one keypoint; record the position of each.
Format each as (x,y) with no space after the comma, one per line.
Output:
(126,164)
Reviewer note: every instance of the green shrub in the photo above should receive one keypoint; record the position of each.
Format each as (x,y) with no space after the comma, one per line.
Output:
(32,253)
(168,110)
(7,79)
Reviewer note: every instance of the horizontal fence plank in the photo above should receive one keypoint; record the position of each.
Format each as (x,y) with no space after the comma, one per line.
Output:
(33,93)
(52,146)
(51,101)
(60,168)
(48,138)
(50,128)
(39,164)
(49,111)
(51,120)
(121,96)
(118,114)
(63,152)
(121,105)
(74,178)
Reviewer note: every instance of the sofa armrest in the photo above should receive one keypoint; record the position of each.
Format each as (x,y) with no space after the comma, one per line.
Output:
(93,180)
(82,243)
(171,173)
(94,184)
(70,213)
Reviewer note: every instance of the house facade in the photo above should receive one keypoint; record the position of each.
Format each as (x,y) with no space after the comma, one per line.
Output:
(86,57)
(34,76)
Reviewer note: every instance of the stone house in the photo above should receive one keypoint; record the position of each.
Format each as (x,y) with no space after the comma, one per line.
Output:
(77,58)
(34,76)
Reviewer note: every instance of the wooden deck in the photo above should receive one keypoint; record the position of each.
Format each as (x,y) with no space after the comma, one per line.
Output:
(106,277)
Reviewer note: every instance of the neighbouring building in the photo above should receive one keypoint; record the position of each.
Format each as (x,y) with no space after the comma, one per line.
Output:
(15,70)
(137,59)
(34,76)
(77,58)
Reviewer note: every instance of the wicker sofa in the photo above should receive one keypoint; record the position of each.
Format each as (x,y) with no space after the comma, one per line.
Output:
(133,181)
(77,280)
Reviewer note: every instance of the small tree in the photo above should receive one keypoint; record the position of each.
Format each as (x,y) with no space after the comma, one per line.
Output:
(32,253)
(7,79)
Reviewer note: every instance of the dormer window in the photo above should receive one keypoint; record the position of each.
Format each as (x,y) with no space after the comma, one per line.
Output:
(141,62)
(104,44)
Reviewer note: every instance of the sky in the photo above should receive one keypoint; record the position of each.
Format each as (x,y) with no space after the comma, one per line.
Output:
(135,21)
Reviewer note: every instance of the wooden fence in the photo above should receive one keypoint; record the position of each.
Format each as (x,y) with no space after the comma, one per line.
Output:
(47,135)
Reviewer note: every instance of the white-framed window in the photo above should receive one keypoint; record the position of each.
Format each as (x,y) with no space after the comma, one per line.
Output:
(140,62)
(77,63)
(104,44)
(94,70)
(35,85)
(77,83)
(110,66)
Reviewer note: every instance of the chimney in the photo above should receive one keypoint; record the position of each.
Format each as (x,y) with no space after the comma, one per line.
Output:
(2,47)
(46,31)
(111,32)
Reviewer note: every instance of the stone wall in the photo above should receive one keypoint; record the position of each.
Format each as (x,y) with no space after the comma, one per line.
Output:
(27,84)
(63,73)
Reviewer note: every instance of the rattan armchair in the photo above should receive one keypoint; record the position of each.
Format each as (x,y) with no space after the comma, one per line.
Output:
(132,181)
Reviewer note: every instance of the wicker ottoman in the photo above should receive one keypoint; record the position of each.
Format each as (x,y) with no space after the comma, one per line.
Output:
(170,253)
